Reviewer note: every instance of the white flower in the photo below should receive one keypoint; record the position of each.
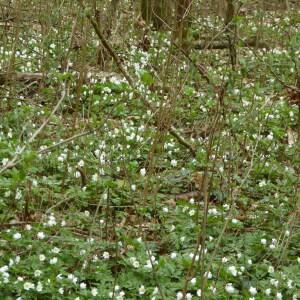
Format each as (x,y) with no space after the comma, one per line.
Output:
(39,287)
(233,270)
(262,183)
(290,284)
(191,255)
(155,291)
(143,172)
(298,259)
(270,136)
(192,212)
(17,236)
(224,260)
(212,211)
(61,291)
(173,162)
(179,296)
(55,250)
(268,292)
(165,209)
(263,241)
(28,227)
(53,261)
(80,163)
(229,288)
(274,282)
(173,255)
(136,264)
(94,292)
(28,286)
(37,273)
(95,177)
(41,235)
(73,278)
(208,275)
(142,290)
(193,281)
(278,296)
(133,187)
(189,296)
(82,285)
(192,201)
(4,269)
(105,255)
(42,257)
(18,195)
(271,269)
(252,290)
(5,161)
(199,292)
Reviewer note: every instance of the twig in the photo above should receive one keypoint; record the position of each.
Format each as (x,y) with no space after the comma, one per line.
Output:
(12,162)
(130,81)
(181,140)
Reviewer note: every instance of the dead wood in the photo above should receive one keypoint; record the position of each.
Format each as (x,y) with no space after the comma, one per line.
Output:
(219,45)
(18,76)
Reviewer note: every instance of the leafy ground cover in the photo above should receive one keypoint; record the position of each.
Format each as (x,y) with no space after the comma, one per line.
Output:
(106,203)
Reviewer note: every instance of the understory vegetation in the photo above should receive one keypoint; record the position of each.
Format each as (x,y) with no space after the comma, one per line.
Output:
(135,165)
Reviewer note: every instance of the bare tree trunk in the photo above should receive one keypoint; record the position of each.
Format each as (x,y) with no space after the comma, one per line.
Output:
(146,10)
(231,32)
(111,17)
(219,7)
(182,22)
(109,21)
(285,4)
(156,12)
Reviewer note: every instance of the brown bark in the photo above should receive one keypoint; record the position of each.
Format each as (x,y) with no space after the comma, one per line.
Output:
(156,12)
(231,32)
(225,45)
(182,22)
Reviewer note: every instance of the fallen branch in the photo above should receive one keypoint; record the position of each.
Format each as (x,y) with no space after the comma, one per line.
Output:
(219,45)
(18,76)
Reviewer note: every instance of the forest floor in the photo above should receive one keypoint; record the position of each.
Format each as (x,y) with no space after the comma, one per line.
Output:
(161,174)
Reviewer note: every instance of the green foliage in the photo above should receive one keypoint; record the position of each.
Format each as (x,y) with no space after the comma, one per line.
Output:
(105,202)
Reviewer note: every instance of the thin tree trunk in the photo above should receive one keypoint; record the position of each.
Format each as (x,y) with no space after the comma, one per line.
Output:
(109,21)
(182,22)
(146,10)
(231,32)
(156,12)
